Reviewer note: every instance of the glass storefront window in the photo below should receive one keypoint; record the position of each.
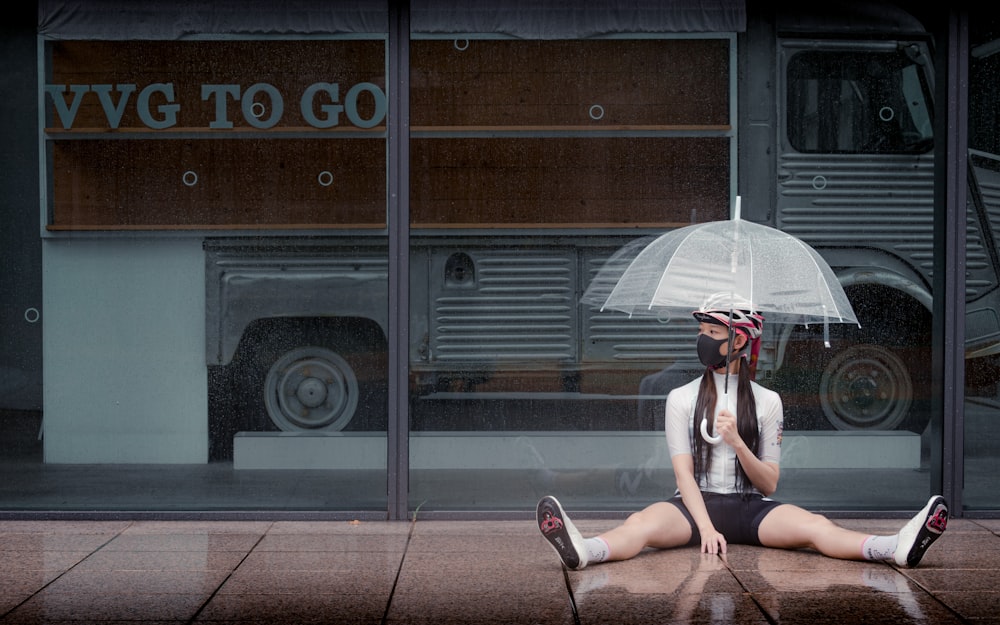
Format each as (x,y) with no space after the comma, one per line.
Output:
(982,261)
(519,390)
(532,162)
(214,232)
(855,180)
(215,229)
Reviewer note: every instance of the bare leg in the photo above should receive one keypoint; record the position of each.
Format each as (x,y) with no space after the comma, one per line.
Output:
(791,527)
(660,525)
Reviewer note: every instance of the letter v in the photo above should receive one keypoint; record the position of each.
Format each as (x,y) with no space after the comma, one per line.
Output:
(113,111)
(67,115)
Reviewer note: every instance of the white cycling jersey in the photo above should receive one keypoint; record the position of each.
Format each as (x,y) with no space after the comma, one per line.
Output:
(680,429)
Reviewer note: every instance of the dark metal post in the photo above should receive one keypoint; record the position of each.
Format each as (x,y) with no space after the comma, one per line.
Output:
(951,194)
(398,125)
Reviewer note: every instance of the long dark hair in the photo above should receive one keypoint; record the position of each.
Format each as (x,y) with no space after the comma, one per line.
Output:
(746,424)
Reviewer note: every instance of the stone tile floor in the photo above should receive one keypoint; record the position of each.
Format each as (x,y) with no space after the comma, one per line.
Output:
(442,572)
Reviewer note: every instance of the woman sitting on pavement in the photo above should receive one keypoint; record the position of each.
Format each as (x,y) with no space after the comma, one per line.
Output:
(723,489)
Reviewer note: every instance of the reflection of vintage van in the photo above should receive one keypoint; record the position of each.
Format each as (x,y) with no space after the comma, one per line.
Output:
(581,147)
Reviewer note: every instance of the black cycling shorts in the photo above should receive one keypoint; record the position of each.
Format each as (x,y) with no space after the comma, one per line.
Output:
(736,517)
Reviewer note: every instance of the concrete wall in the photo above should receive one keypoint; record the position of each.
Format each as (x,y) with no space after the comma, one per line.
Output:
(124,378)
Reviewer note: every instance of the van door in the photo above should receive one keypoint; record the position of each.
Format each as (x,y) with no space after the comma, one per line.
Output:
(855,180)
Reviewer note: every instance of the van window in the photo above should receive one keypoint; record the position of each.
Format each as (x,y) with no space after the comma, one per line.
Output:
(857,102)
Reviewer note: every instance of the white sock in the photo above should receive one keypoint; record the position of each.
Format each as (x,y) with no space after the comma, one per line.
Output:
(597,549)
(879,547)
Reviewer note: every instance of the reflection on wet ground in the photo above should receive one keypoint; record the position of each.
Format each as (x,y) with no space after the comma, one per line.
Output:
(441,572)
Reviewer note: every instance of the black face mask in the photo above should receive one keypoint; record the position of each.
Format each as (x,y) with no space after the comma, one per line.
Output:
(708,351)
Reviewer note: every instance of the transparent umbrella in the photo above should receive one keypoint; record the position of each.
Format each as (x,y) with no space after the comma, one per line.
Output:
(779,275)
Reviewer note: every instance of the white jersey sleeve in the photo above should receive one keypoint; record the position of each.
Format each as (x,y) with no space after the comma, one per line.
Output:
(770,421)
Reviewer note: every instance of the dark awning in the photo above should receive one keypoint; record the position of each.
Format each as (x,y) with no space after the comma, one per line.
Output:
(576,19)
(180,19)
(529,19)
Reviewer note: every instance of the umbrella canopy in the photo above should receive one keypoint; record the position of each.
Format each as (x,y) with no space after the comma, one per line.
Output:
(761,268)
(782,277)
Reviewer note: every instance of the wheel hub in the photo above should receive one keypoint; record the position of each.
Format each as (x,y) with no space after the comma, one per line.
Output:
(309,389)
(862,392)
(311,392)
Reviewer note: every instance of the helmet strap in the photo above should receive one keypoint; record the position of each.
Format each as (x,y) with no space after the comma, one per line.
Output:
(729,353)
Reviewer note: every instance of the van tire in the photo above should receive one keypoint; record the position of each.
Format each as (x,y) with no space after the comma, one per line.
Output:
(866,387)
(310,388)
(272,353)
(873,377)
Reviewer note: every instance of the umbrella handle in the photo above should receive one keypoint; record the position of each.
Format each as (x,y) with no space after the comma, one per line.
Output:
(713,440)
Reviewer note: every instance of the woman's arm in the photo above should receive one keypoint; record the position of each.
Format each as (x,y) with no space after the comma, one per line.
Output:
(763,475)
(711,540)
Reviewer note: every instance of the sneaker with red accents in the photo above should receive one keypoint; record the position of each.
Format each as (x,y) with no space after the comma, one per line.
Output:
(921,532)
(561,533)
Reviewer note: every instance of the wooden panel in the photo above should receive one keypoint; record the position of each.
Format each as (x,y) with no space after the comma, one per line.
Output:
(573,182)
(255,181)
(248,182)
(528,83)
(196,173)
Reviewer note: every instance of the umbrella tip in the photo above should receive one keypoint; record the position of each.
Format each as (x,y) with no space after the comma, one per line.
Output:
(736,208)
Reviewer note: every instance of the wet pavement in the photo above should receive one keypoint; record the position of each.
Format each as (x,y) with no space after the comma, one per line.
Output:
(441,572)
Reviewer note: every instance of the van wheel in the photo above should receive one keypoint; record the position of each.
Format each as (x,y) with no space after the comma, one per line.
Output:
(866,387)
(311,388)
(876,377)
(299,375)
(313,375)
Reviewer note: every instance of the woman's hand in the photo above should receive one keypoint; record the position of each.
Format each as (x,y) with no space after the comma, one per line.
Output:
(712,541)
(725,426)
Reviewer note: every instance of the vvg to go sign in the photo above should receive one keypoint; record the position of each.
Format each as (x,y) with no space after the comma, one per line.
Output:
(261,105)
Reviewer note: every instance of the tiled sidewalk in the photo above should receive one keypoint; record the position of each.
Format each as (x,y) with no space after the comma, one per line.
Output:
(441,572)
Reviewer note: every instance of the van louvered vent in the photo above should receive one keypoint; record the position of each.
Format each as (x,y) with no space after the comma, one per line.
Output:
(845,199)
(522,308)
(612,335)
